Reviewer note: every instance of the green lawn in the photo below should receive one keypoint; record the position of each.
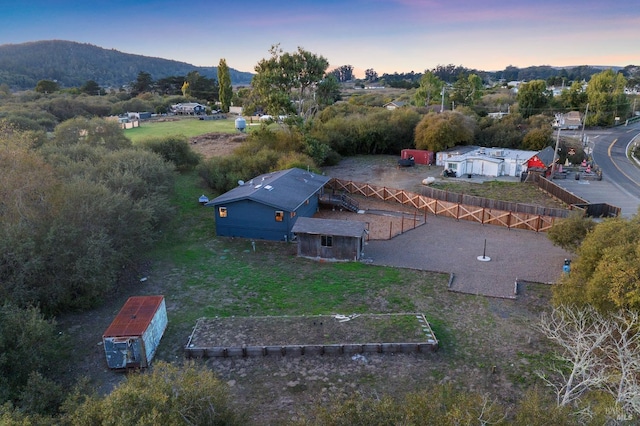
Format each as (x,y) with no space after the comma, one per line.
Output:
(188,127)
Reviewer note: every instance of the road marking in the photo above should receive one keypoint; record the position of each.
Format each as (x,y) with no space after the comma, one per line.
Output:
(616,165)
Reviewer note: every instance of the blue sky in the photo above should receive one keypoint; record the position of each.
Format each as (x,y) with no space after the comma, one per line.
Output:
(388,36)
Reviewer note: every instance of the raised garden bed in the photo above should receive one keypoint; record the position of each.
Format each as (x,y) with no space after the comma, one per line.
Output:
(318,335)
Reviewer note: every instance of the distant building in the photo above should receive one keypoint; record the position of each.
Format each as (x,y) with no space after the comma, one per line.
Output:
(485,161)
(572,120)
(188,108)
(394,105)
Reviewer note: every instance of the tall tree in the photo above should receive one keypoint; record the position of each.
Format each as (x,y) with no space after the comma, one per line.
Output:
(201,87)
(343,73)
(47,86)
(607,99)
(533,97)
(328,91)
(467,90)
(597,352)
(224,81)
(574,97)
(370,75)
(90,87)
(185,89)
(282,82)
(143,83)
(430,88)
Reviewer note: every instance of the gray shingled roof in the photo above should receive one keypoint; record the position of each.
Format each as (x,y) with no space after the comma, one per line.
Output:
(546,155)
(342,228)
(284,189)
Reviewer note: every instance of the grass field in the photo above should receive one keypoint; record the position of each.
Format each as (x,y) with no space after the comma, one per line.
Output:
(184,126)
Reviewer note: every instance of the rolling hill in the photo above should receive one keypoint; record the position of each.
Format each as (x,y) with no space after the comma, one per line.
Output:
(72,64)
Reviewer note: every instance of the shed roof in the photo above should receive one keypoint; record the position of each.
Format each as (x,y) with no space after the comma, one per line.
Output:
(546,155)
(342,228)
(284,189)
(134,317)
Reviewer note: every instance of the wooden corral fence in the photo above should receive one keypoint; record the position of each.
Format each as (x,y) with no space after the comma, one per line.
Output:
(555,191)
(591,210)
(489,211)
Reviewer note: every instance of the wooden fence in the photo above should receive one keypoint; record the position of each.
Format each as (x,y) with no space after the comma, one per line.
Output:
(487,213)
(590,209)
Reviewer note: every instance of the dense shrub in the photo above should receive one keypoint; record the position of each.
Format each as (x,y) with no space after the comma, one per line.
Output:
(360,130)
(174,149)
(31,353)
(72,224)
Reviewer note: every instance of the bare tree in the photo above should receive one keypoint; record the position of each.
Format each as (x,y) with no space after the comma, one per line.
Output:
(623,352)
(597,351)
(580,334)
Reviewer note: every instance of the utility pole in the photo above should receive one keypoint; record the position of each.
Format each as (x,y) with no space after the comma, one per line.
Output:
(584,121)
(555,153)
(442,102)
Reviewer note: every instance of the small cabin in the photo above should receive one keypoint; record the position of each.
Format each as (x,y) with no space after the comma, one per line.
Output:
(331,239)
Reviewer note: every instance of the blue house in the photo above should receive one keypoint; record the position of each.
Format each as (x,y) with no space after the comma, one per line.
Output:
(267,206)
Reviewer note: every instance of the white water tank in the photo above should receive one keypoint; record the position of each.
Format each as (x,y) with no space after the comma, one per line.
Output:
(241,124)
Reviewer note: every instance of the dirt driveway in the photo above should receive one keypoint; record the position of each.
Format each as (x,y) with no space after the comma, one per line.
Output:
(450,246)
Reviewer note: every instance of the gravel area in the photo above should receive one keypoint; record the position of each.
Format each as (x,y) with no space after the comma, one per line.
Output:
(450,246)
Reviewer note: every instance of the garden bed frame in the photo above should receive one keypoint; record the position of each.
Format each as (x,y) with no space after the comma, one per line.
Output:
(311,335)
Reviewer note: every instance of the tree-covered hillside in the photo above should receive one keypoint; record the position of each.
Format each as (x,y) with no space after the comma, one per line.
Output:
(72,64)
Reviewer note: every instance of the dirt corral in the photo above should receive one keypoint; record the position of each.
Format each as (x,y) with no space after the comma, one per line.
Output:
(216,144)
(384,220)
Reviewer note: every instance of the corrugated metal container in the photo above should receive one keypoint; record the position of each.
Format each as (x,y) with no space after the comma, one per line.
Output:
(420,156)
(134,335)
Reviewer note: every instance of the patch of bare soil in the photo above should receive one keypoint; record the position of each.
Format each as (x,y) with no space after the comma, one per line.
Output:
(308,330)
(217,144)
(384,220)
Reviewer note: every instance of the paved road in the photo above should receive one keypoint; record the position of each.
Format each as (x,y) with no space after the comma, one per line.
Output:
(620,185)
(450,246)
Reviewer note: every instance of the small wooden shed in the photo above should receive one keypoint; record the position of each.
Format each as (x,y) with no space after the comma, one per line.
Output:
(330,238)
(133,337)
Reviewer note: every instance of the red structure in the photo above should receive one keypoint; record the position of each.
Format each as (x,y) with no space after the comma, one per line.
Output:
(420,156)
(536,163)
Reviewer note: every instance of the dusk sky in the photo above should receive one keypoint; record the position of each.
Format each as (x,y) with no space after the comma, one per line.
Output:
(386,35)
